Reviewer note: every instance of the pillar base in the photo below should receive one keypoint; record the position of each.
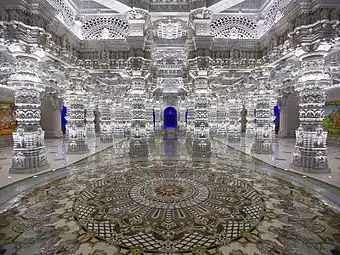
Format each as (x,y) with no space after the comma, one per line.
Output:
(311,170)
(104,138)
(78,147)
(138,148)
(234,138)
(30,161)
(310,161)
(28,170)
(201,147)
(262,147)
(90,130)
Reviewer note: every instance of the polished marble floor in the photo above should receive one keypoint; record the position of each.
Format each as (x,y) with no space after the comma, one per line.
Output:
(170,203)
(57,156)
(283,155)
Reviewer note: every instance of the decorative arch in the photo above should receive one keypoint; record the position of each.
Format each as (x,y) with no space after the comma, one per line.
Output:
(170,117)
(98,28)
(234,27)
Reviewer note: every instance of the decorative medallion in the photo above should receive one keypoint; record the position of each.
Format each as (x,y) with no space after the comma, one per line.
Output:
(169,209)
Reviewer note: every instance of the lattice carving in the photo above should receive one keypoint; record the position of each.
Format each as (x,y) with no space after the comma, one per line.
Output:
(65,11)
(105,28)
(274,14)
(234,27)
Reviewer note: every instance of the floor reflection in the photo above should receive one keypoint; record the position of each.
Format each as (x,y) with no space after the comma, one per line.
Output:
(160,199)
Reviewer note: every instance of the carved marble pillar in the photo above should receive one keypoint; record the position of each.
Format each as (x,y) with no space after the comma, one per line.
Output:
(76,99)
(181,115)
(106,125)
(250,107)
(29,149)
(201,141)
(213,117)
(310,149)
(149,117)
(234,117)
(264,128)
(138,106)
(138,99)
(222,118)
(312,44)
(118,127)
(90,108)
(190,116)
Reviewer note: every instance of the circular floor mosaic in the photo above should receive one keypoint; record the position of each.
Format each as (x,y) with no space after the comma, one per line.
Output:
(168,209)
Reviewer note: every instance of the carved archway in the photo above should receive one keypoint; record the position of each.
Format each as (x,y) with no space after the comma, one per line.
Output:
(170,117)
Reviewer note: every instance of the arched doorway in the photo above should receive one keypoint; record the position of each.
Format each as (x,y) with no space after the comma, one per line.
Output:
(170,117)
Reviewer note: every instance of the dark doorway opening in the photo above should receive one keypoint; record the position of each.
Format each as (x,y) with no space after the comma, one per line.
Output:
(170,118)
(63,119)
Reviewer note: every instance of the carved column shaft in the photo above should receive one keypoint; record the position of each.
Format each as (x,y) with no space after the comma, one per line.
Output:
(234,117)
(90,125)
(201,144)
(105,109)
(120,113)
(310,149)
(139,134)
(75,100)
(137,101)
(222,118)
(263,139)
(201,120)
(250,106)
(29,148)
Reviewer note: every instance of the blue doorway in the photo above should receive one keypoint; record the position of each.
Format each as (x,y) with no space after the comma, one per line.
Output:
(170,117)
(63,119)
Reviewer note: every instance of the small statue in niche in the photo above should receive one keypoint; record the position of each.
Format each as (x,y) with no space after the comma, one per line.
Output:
(21,138)
(319,137)
(299,136)
(202,134)
(40,137)
(19,160)
(137,135)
